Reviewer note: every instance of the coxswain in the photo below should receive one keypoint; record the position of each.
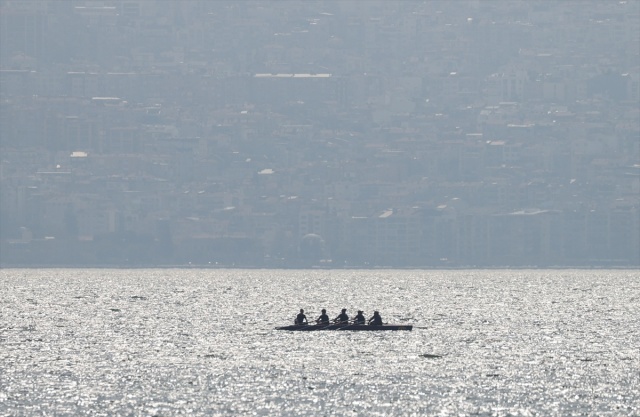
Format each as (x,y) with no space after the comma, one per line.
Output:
(359,319)
(342,317)
(376,320)
(323,319)
(301,318)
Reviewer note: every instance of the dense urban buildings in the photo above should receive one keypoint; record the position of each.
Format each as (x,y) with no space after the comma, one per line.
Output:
(320,133)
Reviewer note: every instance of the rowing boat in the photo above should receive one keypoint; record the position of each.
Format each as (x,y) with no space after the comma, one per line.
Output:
(348,326)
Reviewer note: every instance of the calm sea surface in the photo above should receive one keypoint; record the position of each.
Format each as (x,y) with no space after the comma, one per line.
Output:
(201,342)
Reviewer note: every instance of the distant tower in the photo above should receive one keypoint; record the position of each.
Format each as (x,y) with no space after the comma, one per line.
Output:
(513,82)
(165,241)
(23,30)
(312,249)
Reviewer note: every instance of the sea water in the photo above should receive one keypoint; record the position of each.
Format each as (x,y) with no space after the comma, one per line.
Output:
(202,342)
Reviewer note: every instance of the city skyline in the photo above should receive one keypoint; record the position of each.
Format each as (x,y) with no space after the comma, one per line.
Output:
(320,134)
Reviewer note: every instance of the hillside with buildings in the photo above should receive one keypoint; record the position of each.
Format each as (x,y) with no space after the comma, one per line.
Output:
(320,133)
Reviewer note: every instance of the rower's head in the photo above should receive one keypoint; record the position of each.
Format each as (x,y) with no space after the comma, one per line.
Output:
(360,311)
(375,313)
(344,310)
(301,310)
(324,310)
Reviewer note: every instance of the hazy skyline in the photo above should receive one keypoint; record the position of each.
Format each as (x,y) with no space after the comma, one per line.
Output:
(320,133)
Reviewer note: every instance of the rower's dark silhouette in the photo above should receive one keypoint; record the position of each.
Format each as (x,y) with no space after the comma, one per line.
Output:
(343,317)
(301,318)
(376,320)
(324,318)
(359,318)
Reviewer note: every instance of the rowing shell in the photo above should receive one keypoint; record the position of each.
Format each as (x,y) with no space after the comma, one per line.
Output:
(351,327)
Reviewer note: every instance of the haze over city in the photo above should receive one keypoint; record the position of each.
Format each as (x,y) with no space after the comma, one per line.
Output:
(338,134)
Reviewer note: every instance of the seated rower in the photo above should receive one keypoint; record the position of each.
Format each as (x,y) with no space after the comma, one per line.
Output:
(342,317)
(323,319)
(301,318)
(359,319)
(376,320)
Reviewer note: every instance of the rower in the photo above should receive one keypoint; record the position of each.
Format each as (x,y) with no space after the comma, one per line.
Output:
(323,319)
(342,317)
(359,319)
(301,318)
(376,320)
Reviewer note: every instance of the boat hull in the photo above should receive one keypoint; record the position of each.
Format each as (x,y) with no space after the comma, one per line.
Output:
(347,327)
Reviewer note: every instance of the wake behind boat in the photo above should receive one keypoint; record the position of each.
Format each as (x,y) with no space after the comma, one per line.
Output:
(345,326)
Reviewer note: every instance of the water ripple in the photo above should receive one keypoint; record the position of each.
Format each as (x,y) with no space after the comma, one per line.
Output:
(201,342)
